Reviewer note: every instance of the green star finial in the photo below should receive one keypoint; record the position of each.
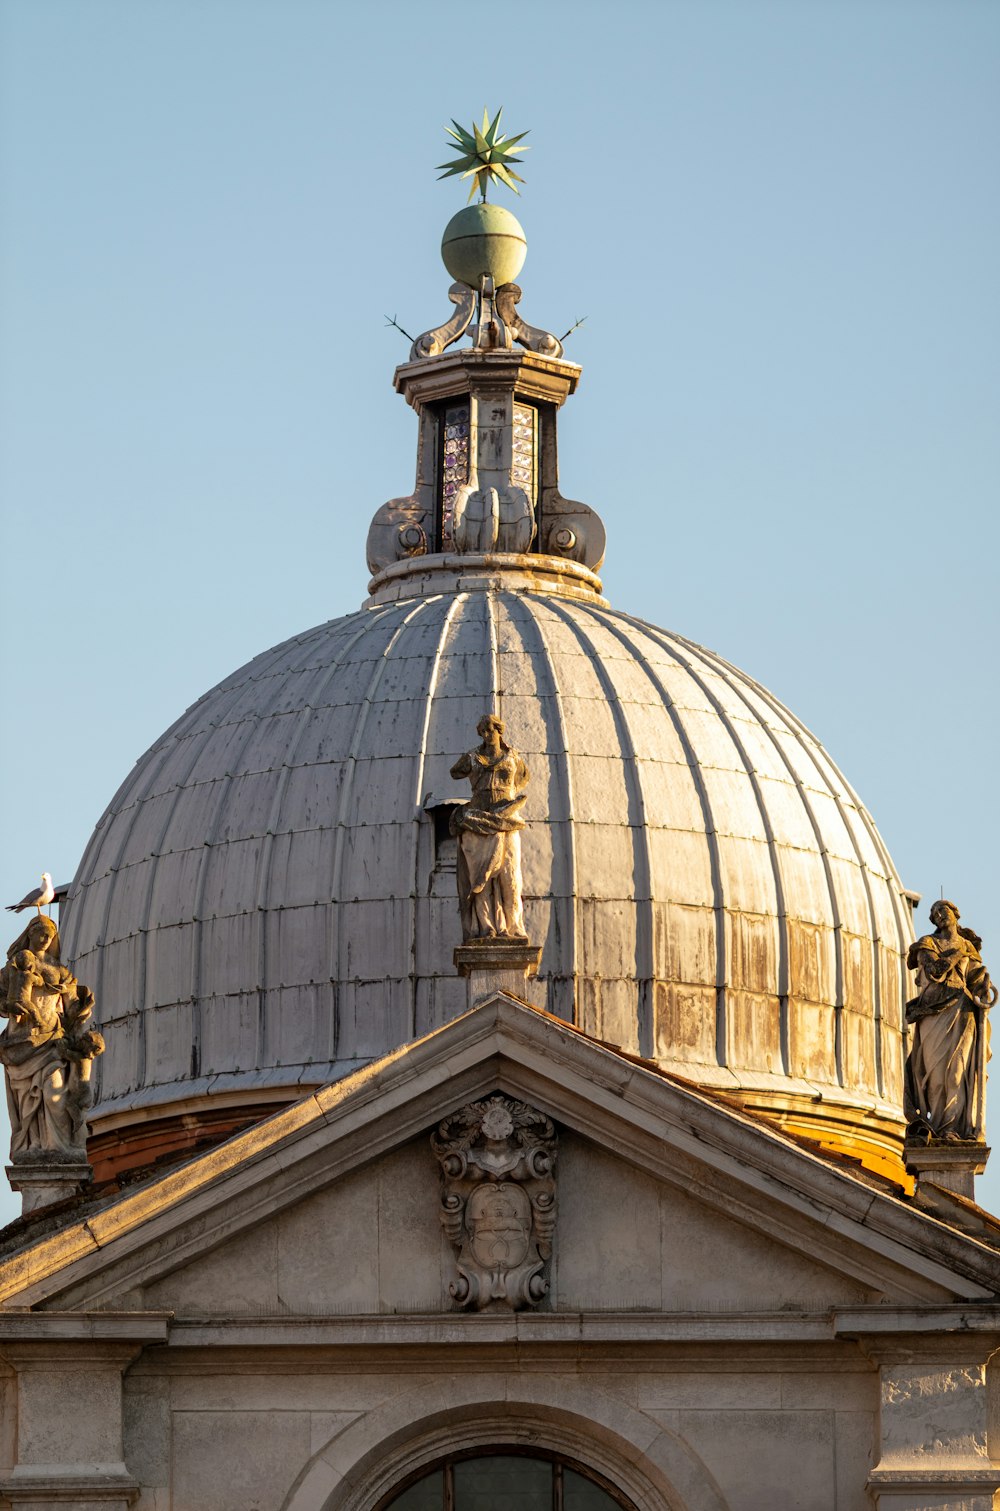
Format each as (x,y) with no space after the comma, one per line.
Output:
(484,155)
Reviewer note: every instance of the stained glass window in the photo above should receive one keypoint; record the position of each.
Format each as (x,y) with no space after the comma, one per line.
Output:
(455,468)
(523,469)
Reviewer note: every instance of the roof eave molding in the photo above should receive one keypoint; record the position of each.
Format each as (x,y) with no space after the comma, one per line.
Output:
(724,1158)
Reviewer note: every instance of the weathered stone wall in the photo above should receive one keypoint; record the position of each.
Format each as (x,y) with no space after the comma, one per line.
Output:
(372,1243)
(751,1429)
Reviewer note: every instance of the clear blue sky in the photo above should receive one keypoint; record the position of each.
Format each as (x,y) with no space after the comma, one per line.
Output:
(782,221)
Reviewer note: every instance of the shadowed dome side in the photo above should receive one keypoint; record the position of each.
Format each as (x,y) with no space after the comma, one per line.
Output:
(269,900)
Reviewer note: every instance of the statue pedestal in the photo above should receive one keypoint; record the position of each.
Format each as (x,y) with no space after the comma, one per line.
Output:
(44,1181)
(497,965)
(950,1167)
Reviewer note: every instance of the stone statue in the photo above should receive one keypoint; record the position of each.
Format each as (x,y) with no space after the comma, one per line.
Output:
(47,1048)
(498,1201)
(949,1032)
(489,840)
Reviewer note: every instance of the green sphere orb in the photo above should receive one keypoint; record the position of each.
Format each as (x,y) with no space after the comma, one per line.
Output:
(484,239)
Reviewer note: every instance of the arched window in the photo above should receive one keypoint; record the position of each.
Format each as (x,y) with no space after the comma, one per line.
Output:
(507,1479)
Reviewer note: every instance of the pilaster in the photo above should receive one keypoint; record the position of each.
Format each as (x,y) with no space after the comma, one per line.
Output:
(69,1368)
(937,1442)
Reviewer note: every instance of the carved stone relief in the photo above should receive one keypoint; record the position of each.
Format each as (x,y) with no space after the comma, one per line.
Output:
(493,519)
(398,531)
(498,1201)
(572,530)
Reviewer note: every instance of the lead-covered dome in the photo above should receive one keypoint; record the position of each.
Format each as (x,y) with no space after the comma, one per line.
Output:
(270,901)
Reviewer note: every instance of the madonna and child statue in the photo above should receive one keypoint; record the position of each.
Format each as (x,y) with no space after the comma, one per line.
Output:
(488,830)
(47,1049)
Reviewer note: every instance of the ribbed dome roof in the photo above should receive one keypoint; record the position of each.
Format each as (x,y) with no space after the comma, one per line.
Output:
(268,902)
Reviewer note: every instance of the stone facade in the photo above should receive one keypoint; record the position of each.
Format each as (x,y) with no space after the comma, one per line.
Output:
(732,1319)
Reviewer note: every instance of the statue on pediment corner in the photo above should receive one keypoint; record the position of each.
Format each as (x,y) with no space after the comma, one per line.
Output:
(949,1033)
(47,1048)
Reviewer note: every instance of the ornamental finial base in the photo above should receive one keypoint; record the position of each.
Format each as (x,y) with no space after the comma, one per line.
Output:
(43,1181)
(949,1167)
(497,965)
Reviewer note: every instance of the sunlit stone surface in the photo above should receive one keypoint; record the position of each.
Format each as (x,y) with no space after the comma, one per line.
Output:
(266,901)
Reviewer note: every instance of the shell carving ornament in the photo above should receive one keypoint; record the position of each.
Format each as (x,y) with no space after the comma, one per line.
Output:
(498,1202)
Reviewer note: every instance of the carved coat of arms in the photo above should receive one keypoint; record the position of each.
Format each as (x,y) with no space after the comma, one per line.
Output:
(498,1201)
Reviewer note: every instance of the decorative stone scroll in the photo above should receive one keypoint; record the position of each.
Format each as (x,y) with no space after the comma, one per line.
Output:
(493,519)
(435,341)
(530,336)
(498,326)
(498,1201)
(949,1045)
(47,1050)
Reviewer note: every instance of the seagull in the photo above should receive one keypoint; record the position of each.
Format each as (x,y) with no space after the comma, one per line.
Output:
(39,898)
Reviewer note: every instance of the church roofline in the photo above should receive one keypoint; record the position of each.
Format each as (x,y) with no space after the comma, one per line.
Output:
(726,1158)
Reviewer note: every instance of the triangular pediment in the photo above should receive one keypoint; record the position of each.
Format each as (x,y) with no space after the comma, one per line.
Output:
(668,1201)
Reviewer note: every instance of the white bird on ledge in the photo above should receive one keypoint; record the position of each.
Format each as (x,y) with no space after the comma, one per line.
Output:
(39,898)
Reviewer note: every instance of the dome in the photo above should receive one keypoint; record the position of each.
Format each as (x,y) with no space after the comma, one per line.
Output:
(269,902)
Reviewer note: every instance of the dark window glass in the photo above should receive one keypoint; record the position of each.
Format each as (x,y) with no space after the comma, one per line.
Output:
(583,1495)
(501,1481)
(426,1495)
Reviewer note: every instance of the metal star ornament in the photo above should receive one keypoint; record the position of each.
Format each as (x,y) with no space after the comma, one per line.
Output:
(485,155)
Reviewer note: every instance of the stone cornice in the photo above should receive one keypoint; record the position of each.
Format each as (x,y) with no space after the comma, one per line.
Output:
(83,1327)
(930,1481)
(546,379)
(879,1321)
(101,1487)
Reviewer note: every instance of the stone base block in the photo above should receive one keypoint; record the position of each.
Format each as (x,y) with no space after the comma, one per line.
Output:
(496,965)
(44,1181)
(951,1167)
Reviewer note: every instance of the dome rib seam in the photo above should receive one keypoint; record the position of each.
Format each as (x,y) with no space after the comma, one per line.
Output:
(458,601)
(263,872)
(799,786)
(641,859)
(336,954)
(718,906)
(534,625)
(662,639)
(811,745)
